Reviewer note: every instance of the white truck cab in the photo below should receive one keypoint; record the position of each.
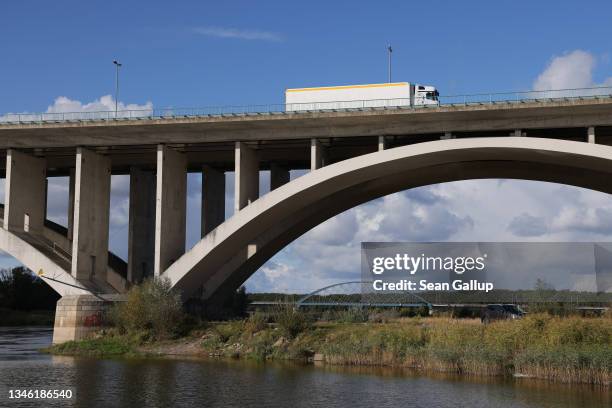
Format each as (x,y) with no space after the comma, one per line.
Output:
(360,96)
(426,95)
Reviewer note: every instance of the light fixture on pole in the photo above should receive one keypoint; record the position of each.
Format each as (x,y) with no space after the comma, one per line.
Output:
(389,51)
(118,65)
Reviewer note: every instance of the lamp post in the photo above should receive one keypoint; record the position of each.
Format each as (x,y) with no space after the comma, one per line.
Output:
(117,65)
(390,50)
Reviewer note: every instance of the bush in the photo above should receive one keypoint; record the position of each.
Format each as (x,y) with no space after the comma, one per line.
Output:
(152,311)
(291,321)
(256,322)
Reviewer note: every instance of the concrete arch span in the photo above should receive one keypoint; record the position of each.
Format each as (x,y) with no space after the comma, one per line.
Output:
(51,253)
(231,253)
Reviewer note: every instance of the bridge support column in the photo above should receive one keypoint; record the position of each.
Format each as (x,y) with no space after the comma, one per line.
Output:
(246,183)
(141,229)
(91,215)
(213,199)
(71,179)
(170,208)
(317,155)
(78,317)
(382,143)
(279,175)
(591,134)
(25,192)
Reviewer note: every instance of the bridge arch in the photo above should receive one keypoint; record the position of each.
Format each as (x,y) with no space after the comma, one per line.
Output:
(232,252)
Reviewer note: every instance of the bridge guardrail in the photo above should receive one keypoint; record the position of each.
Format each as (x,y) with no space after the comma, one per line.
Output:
(269,109)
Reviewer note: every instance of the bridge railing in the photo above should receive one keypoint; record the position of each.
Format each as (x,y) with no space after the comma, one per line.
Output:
(269,109)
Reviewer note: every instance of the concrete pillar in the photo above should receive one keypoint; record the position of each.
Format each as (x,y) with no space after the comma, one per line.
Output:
(71,178)
(24,192)
(447,135)
(79,317)
(382,143)
(591,134)
(213,199)
(141,227)
(246,183)
(46,197)
(91,215)
(317,155)
(170,208)
(279,175)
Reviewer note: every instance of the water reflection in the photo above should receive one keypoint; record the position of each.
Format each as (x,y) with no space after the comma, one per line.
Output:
(162,383)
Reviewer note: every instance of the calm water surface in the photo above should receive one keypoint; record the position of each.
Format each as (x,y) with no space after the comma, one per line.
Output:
(166,383)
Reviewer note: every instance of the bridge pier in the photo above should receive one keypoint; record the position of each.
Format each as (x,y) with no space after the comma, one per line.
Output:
(170,207)
(382,143)
(141,227)
(78,317)
(318,156)
(591,134)
(91,216)
(25,192)
(213,199)
(246,183)
(71,179)
(279,175)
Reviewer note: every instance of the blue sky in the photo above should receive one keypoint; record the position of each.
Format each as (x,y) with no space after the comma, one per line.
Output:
(190,54)
(172,56)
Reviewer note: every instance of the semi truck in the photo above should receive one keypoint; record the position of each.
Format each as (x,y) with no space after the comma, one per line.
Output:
(360,96)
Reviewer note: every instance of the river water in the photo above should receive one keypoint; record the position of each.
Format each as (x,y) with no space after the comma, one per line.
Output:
(187,383)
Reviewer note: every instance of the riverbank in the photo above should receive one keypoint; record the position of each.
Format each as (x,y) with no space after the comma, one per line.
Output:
(569,350)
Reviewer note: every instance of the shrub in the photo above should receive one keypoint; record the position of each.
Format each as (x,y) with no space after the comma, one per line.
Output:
(291,321)
(256,322)
(352,315)
(152,310)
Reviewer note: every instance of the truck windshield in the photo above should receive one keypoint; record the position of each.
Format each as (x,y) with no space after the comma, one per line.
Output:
(432,96)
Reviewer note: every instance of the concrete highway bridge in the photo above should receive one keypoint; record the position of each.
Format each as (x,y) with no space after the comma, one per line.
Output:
(354,155)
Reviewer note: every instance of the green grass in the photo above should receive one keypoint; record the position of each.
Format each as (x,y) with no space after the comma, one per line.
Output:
(101,347)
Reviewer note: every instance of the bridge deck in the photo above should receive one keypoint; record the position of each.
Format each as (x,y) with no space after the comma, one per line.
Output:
(284,138)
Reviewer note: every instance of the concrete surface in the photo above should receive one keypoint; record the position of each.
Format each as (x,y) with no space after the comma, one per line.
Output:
(170,209)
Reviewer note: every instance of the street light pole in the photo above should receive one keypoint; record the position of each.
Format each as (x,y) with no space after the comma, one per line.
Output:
(390,50)
(117,64)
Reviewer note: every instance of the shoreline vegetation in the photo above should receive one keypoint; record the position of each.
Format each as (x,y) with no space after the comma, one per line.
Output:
(569,349)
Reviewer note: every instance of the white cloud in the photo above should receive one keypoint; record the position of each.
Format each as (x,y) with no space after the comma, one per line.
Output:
(527,225)
(241,34)
(570,70)
(103,104)
(98,108)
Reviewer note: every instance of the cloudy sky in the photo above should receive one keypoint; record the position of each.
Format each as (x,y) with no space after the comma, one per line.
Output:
(200,54)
